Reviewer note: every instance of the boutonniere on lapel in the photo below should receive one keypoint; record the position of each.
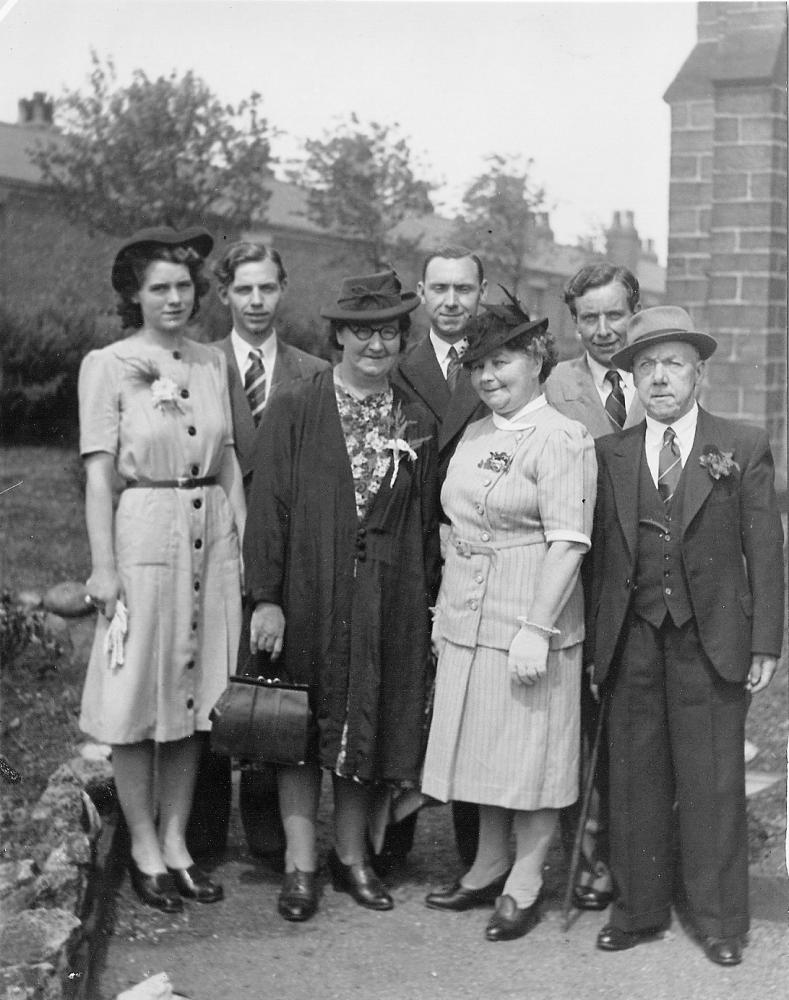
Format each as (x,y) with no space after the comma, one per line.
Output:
(719,464)
(165,390)
(399,443)
(497,461)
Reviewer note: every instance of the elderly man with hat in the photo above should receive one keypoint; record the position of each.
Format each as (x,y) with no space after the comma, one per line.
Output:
(687,624)
(341,554)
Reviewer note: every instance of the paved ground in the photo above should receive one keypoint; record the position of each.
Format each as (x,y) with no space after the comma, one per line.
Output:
(240,948)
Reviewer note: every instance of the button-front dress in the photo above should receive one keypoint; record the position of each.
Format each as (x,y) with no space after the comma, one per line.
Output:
(177,550)
(513,487)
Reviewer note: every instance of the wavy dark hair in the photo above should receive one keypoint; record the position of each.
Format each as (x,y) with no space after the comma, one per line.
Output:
(597,276)
(403,324)
(246,252)
(137,260)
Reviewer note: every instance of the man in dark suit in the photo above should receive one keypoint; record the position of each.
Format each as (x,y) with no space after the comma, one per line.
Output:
(452,287)
(602,298)
(252,284)
(686,617)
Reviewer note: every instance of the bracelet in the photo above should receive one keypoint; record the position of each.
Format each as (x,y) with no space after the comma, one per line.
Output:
(544,629)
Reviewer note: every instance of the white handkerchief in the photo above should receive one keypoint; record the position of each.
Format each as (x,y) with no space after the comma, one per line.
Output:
(116,633)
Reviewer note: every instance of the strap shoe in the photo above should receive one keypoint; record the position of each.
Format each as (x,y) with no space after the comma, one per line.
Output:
(510,921)
(298,897)
(360,881)
(458,897)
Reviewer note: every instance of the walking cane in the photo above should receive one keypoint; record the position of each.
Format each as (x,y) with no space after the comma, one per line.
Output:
(579,833)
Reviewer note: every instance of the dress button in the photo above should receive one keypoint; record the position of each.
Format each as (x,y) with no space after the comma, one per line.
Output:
(486,482)
(198,543)
(184,394)
(191,431)
(667,537)
(479,578)
(194,626)
(195,469)
(668,591)
(479,508)
(190,703)
(197,504)
(485,536)
(197,585)
(190,665)
(177,355)
(473,605)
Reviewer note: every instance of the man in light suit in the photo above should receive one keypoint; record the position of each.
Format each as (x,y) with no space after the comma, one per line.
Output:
(452,287)
(602,298)
(252,284)
(686,617)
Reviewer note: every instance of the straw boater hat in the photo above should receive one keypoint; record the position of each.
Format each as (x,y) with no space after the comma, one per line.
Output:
(657,325)
(483,339)
(371,298)
(196,238)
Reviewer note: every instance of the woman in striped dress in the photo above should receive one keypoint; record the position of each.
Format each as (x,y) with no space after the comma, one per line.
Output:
(508,627)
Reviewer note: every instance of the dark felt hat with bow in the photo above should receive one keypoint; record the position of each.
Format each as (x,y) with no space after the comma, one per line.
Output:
(196,238)
(486,336)
(371,298)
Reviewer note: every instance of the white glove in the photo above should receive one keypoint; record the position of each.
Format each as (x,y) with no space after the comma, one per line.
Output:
(528,656)
(116,634)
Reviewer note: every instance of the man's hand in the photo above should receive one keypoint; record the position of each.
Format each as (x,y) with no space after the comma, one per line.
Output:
(594,688)
(267,630)
(761,672)
(528,656)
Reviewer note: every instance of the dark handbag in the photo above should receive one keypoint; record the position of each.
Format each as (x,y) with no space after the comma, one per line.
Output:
(262,720)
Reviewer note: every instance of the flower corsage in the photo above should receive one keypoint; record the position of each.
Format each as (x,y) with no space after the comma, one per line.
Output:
(399,443)
(719,464)
(165,390)
(497,461)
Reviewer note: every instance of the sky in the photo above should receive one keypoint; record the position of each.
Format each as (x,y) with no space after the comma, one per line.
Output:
(574,87)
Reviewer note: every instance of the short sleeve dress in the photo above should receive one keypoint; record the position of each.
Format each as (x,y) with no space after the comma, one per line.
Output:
(163,414)
(512,488)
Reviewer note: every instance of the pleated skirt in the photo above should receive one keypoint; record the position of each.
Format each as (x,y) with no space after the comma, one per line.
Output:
(497,742)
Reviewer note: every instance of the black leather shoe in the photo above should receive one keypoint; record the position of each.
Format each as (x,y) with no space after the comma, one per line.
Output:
(587,898)
(509,921)
(723,951)
(193,883)
(613,938)
(361,882)
(157,890)
(298,898)
(457,897)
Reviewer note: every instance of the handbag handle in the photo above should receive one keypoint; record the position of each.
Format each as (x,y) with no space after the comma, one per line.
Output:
(274,682)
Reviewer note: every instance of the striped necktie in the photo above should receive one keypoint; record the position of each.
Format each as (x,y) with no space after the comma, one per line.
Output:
(453,368)
(615,400)
(255,385)
(669,466)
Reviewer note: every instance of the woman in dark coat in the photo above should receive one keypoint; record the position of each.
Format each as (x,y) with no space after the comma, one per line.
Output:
(341,555)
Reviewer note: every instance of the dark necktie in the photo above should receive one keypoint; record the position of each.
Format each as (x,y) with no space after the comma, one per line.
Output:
(615,400)
(669,466)
(453,368)
(255,385)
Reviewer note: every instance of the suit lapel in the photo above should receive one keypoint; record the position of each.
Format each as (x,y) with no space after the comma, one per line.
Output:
(285,368)
(698,482)
(243,424)
(421,370)
(624,469)
(462,404)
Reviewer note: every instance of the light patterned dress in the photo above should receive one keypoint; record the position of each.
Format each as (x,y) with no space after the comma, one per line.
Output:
(512,488)
(177,550)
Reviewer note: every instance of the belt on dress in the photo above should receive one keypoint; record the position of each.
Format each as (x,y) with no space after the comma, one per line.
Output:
(182,483)
(467,549)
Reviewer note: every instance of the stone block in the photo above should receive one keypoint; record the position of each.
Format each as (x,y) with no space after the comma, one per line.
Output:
(745,101)
(752,157)
(695,245)
(701,113)
(698,264)
(727,187)
(753,262)
(743,214)
(761,288)
(762,239)
(684,166)
(36,936)
(684,194)
(763,129)
(737,317)
(767,185)
(705,166)
(723,289)
(685,221)
(727,129)
(750,347)
(691,140)
(680,113)
(687,290)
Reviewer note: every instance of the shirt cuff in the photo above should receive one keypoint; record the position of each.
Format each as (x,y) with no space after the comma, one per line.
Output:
(565,535)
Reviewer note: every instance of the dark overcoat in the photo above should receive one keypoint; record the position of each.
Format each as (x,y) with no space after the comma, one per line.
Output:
(355,594)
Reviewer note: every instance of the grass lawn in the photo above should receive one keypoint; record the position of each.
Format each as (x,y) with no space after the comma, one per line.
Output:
(43,542)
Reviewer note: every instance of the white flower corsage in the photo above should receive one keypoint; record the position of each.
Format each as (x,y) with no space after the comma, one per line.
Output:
(165,392)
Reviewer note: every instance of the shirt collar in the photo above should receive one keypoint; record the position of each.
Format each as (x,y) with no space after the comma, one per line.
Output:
(684,428)
(522,418)
(241,349)
(441,347)
(599,372)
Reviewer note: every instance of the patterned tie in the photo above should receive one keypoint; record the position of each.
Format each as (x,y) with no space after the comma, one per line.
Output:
(453,368)
(669,466)
(615,400)
(255,385)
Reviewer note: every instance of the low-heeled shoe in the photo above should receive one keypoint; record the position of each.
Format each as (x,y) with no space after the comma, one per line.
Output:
(723,951)
(587,898)
(298,897)
(458,897)
(159,891)
(193,883)
(613,938)
(510,921)
(361,882)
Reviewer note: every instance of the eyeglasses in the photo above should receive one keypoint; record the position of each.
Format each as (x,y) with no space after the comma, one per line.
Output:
(365,333)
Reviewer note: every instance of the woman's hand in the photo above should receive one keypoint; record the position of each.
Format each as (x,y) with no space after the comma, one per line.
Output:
(104,589)
(528,656)
(267,629)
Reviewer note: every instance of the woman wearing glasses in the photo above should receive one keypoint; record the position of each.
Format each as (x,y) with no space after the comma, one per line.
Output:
(341,554)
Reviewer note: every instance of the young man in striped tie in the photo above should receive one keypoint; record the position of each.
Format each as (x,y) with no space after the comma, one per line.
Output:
(252,284)
(602,298)
(686,618)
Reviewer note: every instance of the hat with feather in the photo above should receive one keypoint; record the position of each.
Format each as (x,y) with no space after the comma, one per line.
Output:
(500,323)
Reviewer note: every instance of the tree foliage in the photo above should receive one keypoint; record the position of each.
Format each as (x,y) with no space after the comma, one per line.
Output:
(362,182)
(157,151)
(498,216)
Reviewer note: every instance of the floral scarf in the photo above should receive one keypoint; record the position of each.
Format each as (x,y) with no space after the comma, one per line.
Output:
(366,424)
